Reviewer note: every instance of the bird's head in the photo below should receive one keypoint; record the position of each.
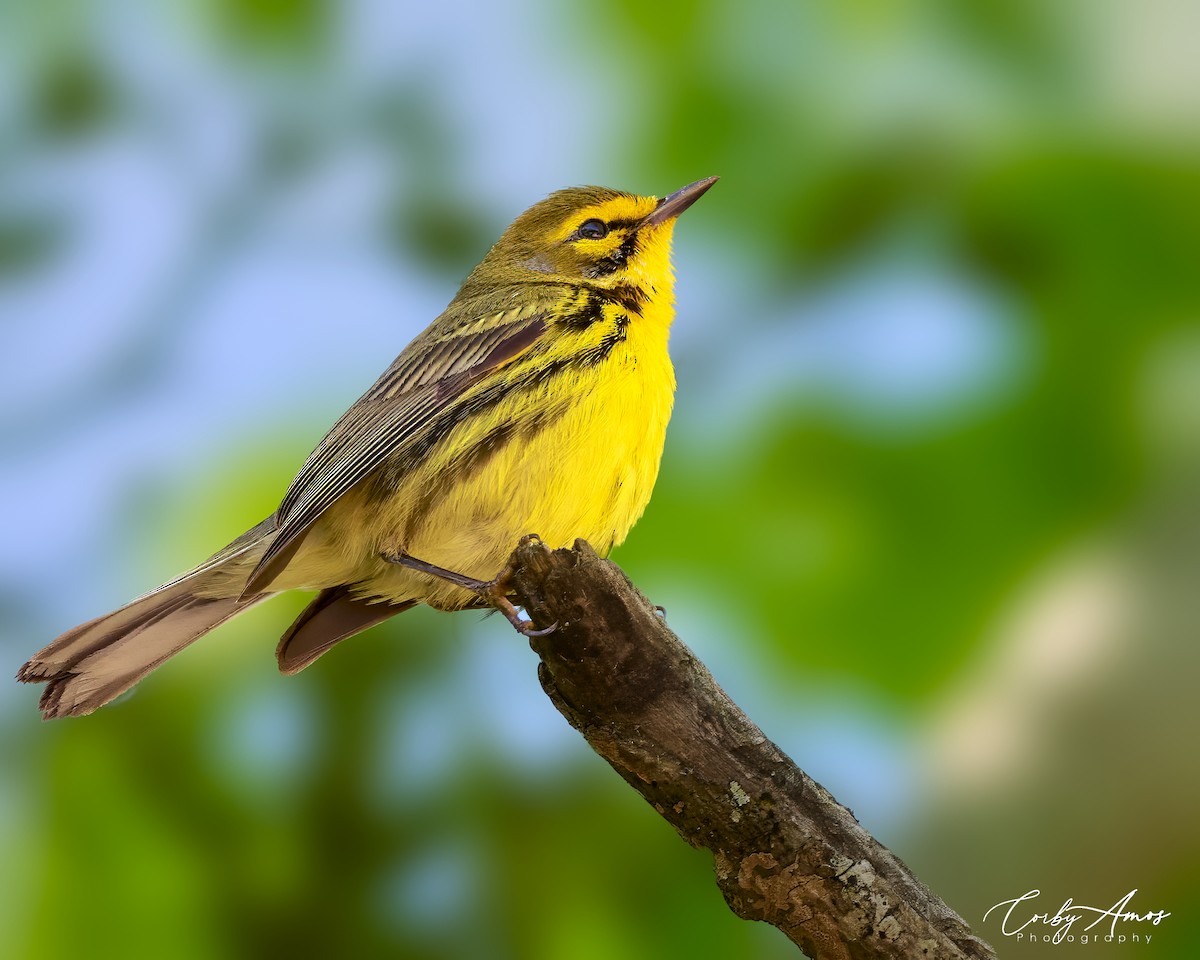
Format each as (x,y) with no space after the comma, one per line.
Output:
(604,237)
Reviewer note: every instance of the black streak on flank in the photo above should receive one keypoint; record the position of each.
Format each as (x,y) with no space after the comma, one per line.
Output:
(471,461)
(591,311)
(531,377)
(629,297)
(465,465)
(618,333)
(474,458)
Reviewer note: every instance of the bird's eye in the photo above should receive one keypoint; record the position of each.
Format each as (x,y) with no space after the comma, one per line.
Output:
(593,229)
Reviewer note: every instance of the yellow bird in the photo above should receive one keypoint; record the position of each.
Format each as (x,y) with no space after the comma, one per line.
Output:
(537,402)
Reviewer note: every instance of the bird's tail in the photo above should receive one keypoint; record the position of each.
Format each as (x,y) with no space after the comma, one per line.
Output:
(88,666)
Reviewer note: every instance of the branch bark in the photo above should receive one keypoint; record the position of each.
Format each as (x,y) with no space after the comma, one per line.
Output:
(785,851)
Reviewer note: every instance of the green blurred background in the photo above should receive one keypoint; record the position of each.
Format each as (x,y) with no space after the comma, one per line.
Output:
(929,506)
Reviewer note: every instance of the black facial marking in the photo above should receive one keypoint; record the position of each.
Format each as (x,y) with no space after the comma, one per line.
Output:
(610,264)
(624,223)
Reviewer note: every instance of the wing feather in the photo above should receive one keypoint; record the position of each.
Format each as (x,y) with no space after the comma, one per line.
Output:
(425,379)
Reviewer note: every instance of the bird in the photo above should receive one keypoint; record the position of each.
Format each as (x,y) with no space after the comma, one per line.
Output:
(537,402)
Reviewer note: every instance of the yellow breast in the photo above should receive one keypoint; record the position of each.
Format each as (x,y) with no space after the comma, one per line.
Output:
(587,470)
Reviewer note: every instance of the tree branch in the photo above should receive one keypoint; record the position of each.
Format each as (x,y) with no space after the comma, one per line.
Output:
(786,852)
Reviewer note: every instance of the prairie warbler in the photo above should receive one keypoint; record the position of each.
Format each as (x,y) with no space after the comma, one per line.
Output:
(536,403)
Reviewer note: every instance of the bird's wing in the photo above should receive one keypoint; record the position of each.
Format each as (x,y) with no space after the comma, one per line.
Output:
(429,376)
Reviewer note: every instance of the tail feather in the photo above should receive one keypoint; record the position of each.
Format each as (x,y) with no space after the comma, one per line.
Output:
(87,667)
(91,664)
(79,643)
(97,661)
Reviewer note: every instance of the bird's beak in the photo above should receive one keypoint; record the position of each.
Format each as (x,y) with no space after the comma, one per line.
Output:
(670,207)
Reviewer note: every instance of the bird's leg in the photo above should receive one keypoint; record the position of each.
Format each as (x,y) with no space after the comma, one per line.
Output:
(408,560)
(492,592)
